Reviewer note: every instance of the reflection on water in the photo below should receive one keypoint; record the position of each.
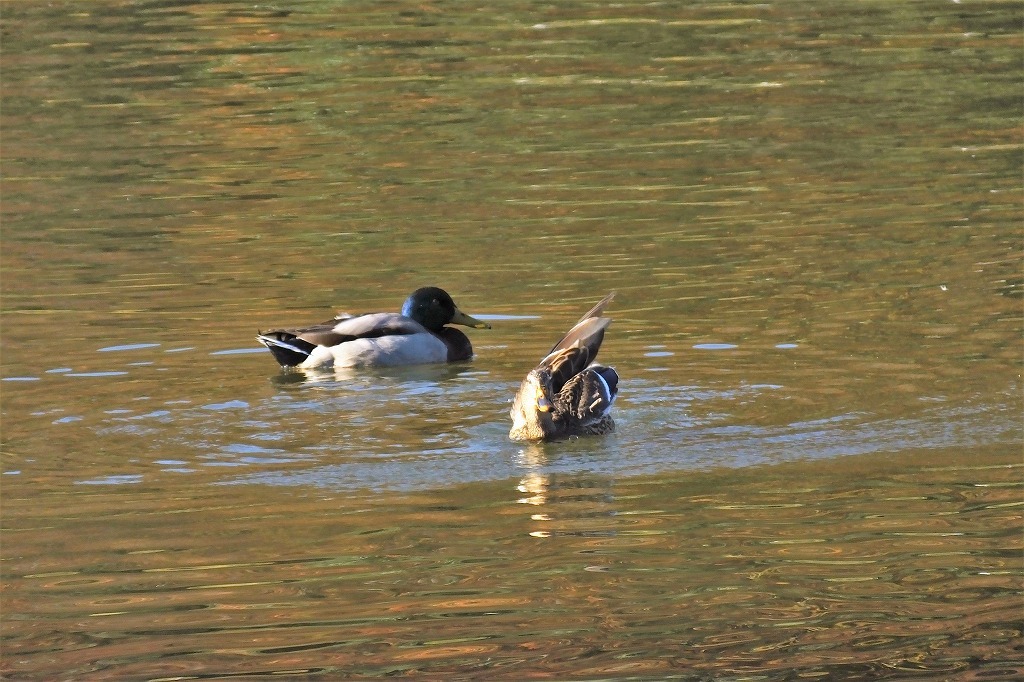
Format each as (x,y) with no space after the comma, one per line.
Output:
(852,568)
(812,223)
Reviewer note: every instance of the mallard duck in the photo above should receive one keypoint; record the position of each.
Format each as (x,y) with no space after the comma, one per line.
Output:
(418,335)
(566,395)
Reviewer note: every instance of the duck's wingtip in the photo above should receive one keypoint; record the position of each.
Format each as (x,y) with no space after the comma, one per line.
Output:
(598,309)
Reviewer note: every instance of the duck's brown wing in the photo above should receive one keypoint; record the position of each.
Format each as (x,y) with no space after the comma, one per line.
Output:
(579,347)
(583,328)
(566,361)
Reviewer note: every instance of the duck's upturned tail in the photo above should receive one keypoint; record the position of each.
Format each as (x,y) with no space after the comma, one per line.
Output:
(288,349)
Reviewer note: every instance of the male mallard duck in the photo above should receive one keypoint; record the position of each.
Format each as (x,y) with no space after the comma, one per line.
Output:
(565,395)
(418,335)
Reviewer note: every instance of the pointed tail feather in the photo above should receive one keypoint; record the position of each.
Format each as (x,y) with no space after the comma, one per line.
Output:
(288,352)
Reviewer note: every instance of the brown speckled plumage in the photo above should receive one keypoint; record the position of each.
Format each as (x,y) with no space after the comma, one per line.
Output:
(567,394)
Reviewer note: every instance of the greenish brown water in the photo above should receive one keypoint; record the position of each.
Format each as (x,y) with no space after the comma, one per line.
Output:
(811,215)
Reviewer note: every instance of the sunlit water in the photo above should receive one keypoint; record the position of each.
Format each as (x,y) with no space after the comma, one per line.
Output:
(812,222)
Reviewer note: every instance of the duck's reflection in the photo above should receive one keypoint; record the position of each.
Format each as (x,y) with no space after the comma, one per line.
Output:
(534,482)
(374,377)
(566,504)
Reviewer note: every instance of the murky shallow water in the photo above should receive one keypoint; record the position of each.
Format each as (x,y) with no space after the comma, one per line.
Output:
(812,223)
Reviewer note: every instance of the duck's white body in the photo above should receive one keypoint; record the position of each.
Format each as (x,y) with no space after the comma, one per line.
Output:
(386,351)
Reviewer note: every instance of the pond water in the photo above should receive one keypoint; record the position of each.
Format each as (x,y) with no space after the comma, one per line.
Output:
(811,218)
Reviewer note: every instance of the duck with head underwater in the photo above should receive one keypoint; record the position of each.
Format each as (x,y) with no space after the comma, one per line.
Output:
(417,335)
(568,394)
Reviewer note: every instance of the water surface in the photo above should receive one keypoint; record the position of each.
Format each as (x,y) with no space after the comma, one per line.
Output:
(811,219)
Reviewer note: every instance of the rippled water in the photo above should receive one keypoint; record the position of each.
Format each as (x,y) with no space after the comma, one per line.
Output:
(811,219)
